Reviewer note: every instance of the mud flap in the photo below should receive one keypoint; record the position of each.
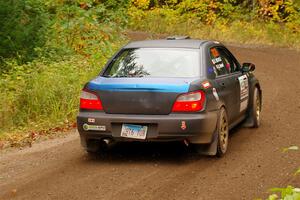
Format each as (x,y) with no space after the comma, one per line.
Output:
(209,149)
(248,123)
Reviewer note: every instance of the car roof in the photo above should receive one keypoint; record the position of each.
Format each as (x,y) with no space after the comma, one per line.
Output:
(167,43)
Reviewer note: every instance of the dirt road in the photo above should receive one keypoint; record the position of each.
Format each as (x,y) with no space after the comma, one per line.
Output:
(60,169)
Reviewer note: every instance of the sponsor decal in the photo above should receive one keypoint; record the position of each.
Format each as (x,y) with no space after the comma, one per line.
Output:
(91,120)
(228,66)
(243,105)
(216,60)
(206,84)
(215,93)
(214,52)
(211,70)
(244,92)
(220,66)
(183,125)
(88,127)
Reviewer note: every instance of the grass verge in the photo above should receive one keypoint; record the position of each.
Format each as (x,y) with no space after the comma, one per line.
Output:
(44,94)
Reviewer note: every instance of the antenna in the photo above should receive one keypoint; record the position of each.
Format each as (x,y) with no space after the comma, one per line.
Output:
(178,37)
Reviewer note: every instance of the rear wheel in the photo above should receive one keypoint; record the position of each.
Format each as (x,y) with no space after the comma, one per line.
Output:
(223,133)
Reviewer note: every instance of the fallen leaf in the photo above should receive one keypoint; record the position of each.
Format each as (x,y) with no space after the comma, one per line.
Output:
(273,197)
(14,191)
(297,172)
(293,148)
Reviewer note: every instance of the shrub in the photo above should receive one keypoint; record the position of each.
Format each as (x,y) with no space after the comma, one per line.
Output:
(24,26)
(45,92)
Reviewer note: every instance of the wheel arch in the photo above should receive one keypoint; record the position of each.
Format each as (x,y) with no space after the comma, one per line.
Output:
(220,104)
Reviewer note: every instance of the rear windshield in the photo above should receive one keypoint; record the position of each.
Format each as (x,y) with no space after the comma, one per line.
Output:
(155,62)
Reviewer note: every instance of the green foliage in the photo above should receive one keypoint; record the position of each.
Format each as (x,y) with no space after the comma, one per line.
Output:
(288,193)
(42,93)
(209,11)
(226,20)
(86,27)
(297,172)
(24,26)
(278,11)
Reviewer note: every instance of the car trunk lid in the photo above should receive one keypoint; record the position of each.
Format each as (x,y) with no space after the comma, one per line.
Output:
(139,95)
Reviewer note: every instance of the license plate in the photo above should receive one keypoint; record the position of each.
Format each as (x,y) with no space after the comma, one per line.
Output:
(134,131)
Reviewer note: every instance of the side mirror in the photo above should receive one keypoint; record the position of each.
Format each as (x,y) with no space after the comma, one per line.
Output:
(248,67)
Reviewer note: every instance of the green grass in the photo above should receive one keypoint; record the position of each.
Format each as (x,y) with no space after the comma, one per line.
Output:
(42,97)
(42,94)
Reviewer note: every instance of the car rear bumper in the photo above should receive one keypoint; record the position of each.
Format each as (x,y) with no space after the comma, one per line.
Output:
(199,126)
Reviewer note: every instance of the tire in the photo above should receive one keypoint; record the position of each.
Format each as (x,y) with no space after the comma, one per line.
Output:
(222,133)
(255,109)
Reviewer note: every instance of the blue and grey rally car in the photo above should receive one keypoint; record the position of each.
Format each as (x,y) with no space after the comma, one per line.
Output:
(174,89)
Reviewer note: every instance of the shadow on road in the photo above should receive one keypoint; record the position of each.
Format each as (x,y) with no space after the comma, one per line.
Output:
(174,152)
(149,152)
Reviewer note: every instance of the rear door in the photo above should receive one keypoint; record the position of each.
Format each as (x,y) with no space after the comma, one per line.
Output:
(242,85)
(227,82)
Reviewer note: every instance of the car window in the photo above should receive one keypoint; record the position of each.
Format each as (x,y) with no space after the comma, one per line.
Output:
(234,65)
(219,61)
(155,62)
(227,60)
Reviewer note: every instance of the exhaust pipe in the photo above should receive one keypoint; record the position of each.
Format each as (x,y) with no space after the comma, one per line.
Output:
(107,143)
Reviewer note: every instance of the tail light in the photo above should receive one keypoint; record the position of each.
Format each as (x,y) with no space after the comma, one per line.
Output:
(90,101)
(189,102)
